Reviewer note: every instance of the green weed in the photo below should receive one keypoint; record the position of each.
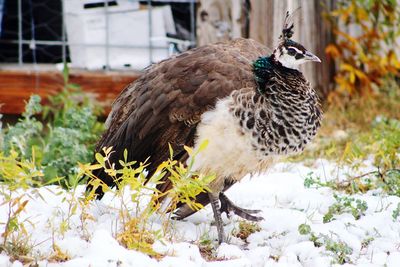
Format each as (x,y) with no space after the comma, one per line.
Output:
(206,247)
(396,212)
(338,249)
(304,229)
(346,204)
(58,146)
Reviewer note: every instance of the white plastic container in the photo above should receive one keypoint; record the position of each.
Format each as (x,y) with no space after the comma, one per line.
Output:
(87,25)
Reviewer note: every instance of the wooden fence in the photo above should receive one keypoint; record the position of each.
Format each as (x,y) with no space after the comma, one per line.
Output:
(18,84)
(262,20)
(217,20)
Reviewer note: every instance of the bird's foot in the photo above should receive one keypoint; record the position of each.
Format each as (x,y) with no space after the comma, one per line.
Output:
(227,206)
(217,216)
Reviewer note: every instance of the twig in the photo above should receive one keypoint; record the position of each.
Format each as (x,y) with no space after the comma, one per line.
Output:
(381,175)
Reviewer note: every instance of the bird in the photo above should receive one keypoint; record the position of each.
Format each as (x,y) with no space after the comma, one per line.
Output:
(251,106)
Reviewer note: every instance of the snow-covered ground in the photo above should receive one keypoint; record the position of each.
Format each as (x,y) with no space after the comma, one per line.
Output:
(373,239)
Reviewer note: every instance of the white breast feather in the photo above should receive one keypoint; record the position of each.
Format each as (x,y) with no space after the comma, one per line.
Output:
(229,153)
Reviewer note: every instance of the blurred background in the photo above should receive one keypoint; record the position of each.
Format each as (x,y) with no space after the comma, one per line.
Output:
(107,43)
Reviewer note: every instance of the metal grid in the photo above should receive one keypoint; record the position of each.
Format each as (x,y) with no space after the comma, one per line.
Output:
(62,42)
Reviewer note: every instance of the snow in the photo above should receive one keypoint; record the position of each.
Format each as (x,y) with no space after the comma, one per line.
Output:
(50,220)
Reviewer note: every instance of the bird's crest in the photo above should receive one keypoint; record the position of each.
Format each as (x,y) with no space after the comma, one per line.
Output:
(288,25)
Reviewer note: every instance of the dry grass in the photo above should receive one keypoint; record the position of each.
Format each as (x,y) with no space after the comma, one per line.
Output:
(246,228)
(346,120)
(357,113)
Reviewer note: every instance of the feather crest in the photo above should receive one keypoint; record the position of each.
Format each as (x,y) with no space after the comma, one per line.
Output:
(288,25)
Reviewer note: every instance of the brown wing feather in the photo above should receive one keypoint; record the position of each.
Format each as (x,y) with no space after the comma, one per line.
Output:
(165,104)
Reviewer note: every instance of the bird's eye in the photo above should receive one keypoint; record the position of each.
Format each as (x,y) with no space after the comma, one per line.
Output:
(291,51)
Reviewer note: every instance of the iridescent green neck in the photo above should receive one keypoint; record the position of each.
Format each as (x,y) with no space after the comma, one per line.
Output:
(262,68)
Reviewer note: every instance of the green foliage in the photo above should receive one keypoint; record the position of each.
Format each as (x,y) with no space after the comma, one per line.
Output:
(19,173)
(68,137)
(353,185)
(338,249)
(304,229)
(311,181)
(396,212)
(378,140)
(389,181)
(35,153)
(316,240)
(206,247)
(55,148)
(384,142)
(346,204)
(21,136)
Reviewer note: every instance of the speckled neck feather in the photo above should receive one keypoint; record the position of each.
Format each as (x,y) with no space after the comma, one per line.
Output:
(265,68)
(283,114)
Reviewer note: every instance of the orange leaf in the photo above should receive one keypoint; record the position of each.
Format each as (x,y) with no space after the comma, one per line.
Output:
(21,207)
(361,75)
(332,51)
(347,36)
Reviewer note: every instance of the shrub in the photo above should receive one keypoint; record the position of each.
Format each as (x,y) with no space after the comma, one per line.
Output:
(366,59)
(55,148)
(136,230)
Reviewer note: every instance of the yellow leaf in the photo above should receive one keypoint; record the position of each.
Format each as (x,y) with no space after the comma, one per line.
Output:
(346,36)
(361,14)
(125,154)
(352,77)
(89,167)
(361,75)
(107,150)
(171,151)
(161,166)
(347,67)
(99,158)
(203,145)
(21,207)
(189,150)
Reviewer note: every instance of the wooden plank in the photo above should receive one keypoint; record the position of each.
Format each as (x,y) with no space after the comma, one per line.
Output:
(218,20)
(311,30)
(266,21)
(17,85)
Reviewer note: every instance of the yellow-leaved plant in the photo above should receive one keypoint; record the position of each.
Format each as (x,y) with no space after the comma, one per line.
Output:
(16,176)
(145,200)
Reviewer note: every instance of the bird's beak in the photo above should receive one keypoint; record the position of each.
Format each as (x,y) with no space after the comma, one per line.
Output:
(311,57)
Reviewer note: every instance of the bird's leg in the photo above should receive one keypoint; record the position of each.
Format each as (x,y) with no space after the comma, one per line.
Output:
(228,206)
(214,200)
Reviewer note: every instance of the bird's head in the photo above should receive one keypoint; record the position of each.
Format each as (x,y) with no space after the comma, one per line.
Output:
(290,53)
